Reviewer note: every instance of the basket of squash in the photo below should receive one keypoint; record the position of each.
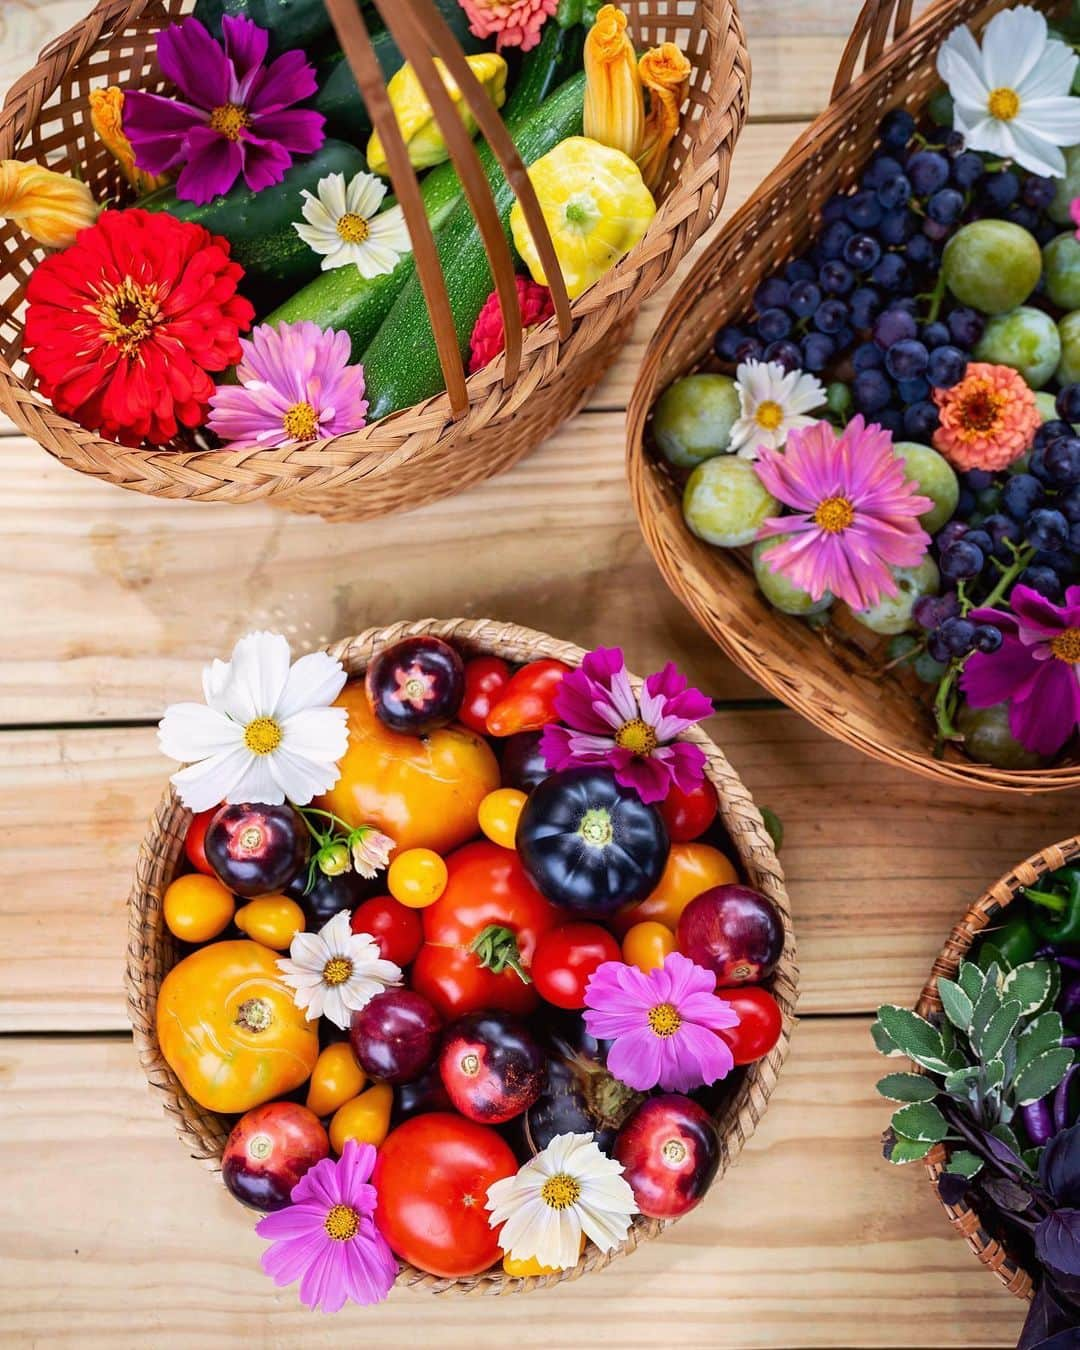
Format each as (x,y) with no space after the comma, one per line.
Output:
(349,259)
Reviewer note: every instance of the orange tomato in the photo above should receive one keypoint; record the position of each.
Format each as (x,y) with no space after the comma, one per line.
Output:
(525,1266)
(365,1118)
(416,878)
(273,920)
(198,907)
(423,793)
(646,944)
(336,1079)
(691,869)
(499,812)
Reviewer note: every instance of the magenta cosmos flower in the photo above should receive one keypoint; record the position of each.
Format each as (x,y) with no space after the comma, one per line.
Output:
(238,117)
(327,1238)
(295,385)
(663,1024)
(607,724)
(1036,669)
(855,514)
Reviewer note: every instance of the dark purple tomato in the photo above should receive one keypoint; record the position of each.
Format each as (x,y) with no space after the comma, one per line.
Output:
(329,894)
(395,1036)
(257,849)
(492,1066)
(268,1152)
(670,1151)
(578,1098)
(523,766)
(422,1095)
(416,685)
(734,931)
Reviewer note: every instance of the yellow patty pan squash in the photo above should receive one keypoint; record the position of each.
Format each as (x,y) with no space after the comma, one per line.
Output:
(596,206)
(416,119)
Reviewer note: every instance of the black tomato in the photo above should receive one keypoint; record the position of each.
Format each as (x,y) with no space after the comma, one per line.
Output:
(422,1095)
(492,1067)
(523,766)
(589,844)
(416,685)
(256,849)
(329,894)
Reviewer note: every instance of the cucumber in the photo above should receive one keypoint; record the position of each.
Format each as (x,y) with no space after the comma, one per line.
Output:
(558,56)
(259,225)
(291,23)
(401,365)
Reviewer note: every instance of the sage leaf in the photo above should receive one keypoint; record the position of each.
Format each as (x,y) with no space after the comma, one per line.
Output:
(1044,1033)
(990,1040)
(921,1121)
(958,1081)
(899,1149)
(956,1004)
(884,1042)
(908,1087)
(986,1005)
(1042,1075)
(994,1074)
(1030,984)
(914,1036)
(970,978)
(964,1163)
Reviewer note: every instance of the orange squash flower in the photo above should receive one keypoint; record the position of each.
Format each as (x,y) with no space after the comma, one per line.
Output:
(614,102)
(987,420)
(106,117)
(665,73)
(51,207)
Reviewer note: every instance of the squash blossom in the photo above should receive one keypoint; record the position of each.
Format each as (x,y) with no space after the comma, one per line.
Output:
(106,117)
(596,207)
(416,119)
(614,103)
(51,207)
(665,73)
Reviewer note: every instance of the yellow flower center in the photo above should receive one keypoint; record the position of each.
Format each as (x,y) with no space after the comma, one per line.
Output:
(1003,104)
(637,737)
(342,1223)
(229,120)
(834,514)
(128,313)
(262,736)
(980,411)
(769,415)
(337,970)
(1066,646)
(664,1019)
(352,228)
(301,422)
(560,1191)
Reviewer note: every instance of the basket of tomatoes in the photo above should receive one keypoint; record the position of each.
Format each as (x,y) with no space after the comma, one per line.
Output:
(462,954)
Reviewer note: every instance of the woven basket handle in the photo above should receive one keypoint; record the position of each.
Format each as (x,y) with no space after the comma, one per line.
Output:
(872,28)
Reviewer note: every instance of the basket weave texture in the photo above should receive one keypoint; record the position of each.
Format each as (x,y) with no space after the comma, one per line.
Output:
(152,952)
(422,453)
(985,911)
(834,679)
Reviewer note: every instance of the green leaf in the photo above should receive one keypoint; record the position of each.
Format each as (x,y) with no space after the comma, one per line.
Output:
(1030,984)
(964,1164)
(774,827)
(922,1121)
(970,978)
(958,1081)
(990,1041)
(993,1074)
(958,1007)
(1044,1033)
(900,1149)
(908,1087)
(990,958)
(914,1036)
(986,1005)
(884,1042)
(1042,1075)
(1007,1135)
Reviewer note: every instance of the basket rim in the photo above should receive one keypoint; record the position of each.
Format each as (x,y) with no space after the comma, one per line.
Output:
(160,849)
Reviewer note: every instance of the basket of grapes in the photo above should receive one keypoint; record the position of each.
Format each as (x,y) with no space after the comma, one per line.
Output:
(854,444)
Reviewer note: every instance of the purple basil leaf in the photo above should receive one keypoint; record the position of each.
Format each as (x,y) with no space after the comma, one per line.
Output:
(1007,1194)
(952,1188)
(1059,1166)
(1053,1322)
(1057,1241)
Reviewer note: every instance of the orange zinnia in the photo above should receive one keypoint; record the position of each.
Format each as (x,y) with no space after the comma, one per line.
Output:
(987,420)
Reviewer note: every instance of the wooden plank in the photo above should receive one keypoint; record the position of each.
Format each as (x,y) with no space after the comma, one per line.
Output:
(878,870)
(811,1240)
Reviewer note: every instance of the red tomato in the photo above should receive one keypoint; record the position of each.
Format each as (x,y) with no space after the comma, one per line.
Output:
(528,701)
(485,679)
(432,1176)
(688,815)
(760,1022)
(195,841)
(487,890)
(396,929)
(566,957)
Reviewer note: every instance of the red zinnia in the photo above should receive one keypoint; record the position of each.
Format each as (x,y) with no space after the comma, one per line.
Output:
(122,327)
(488,335)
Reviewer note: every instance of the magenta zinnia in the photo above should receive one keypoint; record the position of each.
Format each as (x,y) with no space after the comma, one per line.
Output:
(855,514)
(606,723)
(663,1024)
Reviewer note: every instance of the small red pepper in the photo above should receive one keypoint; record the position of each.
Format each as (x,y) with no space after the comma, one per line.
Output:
(528,701)
(486,677)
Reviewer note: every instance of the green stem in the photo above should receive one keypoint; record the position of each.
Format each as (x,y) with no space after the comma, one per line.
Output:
(1047,899)
(495,948)
(937,298)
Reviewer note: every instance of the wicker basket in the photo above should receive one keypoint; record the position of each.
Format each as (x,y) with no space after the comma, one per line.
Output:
(985,911)
(152,952)
(834,679)
(458,438)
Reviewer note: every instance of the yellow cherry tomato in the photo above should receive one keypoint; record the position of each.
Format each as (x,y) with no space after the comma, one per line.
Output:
(273,920)
(498,815)
(417,877)
(524,1266)
(198,908)
(335,1080)
(365,1118)
(691,869)
(646,944)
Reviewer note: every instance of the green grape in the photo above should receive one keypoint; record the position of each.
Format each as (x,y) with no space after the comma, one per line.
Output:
(1067,188)
(892,613)
(1068,372)
(992,265)
(781,593)
(1047,406)
(1061,268)
(901,647)
(988,739)
(940,107)
(936,480)
(693,418)
(725,503)
(927,669)
(838,398)
(1027,340)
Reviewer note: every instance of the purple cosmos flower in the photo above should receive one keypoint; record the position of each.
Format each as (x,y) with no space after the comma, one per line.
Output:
(856,515)
(1036,669)
(295,385)
(239,117)
(607,724)
(327,1237)
(663,1024)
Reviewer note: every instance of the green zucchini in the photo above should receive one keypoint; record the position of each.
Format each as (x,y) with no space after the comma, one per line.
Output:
(401,365)
(259,225)
(558,56)
(291,23)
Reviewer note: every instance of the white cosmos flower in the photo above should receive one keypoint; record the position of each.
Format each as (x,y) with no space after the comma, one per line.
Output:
(336,972)
(570,1187)
(266,733)
(1011,98)
(345,225)
(773,402)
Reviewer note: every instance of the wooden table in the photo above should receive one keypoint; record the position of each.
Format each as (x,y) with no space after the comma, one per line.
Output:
(109,1235)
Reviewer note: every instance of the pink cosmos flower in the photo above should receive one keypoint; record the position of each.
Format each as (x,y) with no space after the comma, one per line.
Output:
(327,1237)
(856,515)
(663,1024)
(295,385)
(606,724)
(239,116)
(515,23)
(1036,669)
